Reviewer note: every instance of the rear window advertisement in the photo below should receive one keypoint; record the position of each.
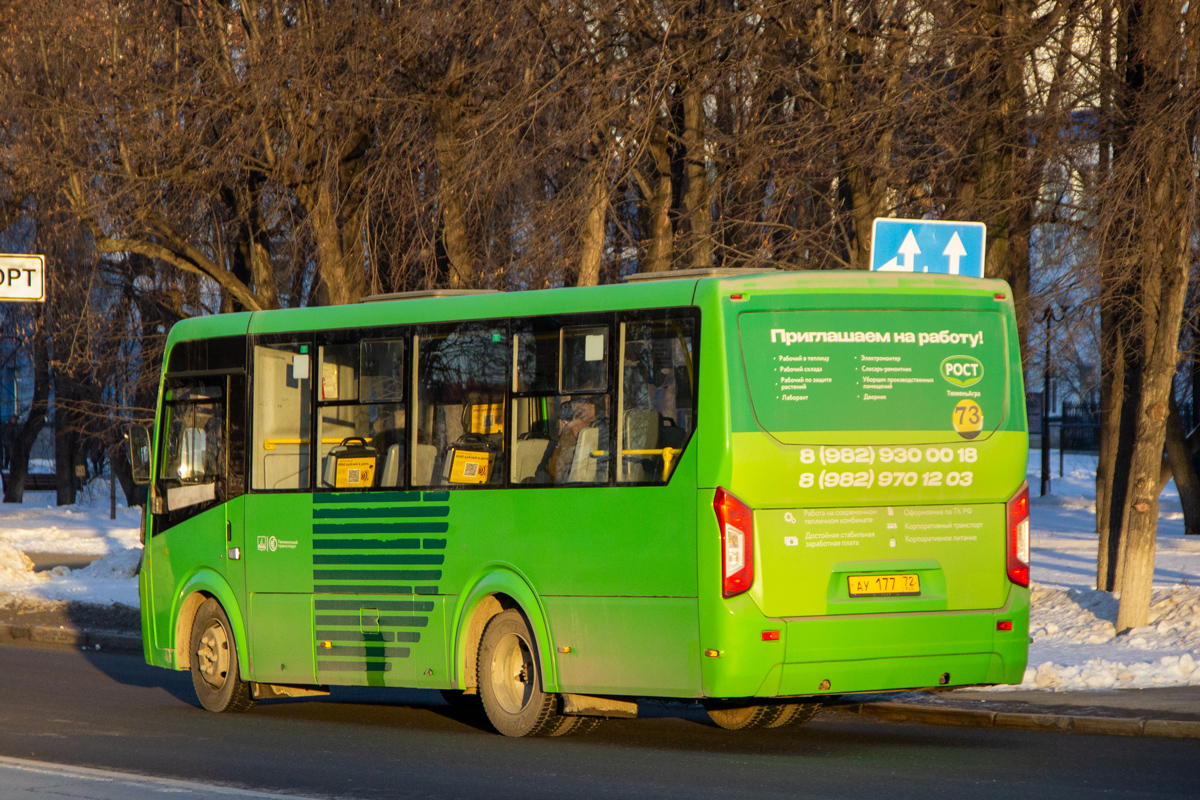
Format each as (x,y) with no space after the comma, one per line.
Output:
(940,373)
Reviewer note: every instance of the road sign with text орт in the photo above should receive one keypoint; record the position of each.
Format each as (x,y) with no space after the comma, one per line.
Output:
(22,278)
(925,245)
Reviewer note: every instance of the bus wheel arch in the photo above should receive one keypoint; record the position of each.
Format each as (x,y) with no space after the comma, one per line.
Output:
(488,607)
(491,593)
(183,628)
(194,592)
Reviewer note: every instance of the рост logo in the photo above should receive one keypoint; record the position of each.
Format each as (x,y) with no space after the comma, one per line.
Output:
(962,370)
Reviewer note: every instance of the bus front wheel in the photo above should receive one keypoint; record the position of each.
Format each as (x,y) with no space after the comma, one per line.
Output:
(215,676)
(508,679)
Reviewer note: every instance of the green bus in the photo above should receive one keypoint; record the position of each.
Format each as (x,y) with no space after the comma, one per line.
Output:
(759,491)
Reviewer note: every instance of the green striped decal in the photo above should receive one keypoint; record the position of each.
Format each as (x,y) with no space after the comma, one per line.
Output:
(365,606)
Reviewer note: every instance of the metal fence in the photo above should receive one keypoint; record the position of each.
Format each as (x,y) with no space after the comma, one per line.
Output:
(1079,426)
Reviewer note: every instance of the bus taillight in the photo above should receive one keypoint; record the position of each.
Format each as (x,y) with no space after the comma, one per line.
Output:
(1017,518)
(736,521)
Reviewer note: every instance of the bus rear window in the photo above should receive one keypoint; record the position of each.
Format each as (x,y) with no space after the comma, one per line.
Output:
(934,375)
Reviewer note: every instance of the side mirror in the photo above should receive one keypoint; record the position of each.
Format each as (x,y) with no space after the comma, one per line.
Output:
(139,453)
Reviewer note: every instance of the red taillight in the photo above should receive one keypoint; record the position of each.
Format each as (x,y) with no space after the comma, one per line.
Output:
(736,521)
(1017,517)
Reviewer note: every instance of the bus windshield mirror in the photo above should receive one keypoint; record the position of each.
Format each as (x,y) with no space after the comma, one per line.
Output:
(139,453)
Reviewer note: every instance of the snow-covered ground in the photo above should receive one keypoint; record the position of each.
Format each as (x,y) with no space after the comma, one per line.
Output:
(1075,643)
(38,526)
(1074,647)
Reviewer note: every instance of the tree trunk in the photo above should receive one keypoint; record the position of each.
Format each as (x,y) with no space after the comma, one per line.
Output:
(339,249)
(1111,471)
(596,204)
(1161,357)
(1179,457)
(14,489)
(1162,112)
(456,238)
(696,208)
(66,451)
(661,237)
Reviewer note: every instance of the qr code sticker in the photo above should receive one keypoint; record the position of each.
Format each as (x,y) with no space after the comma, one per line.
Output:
(353,475)
(470,469)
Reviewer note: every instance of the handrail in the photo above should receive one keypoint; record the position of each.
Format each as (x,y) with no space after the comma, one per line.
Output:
(668,454)
(270,444)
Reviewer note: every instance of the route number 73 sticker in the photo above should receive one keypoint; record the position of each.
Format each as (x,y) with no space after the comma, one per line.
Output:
(968,419)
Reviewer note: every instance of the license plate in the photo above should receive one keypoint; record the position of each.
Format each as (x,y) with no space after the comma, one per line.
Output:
(885,585)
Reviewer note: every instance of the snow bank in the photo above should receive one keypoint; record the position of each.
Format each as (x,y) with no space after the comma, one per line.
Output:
(119,566)
(39,526)
(1088,616)
(1101,674)
(15,567)
(1076,647)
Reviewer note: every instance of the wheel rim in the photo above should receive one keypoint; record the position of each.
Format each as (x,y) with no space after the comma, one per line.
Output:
(512,673)
(212,656)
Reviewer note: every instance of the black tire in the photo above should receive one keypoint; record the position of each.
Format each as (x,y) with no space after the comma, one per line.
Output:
(794,714)
(508,680)
(214,659)
(576,726)
(741,718)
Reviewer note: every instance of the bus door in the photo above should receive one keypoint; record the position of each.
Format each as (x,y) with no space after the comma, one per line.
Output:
(235,505)
(279,512)
(191,527)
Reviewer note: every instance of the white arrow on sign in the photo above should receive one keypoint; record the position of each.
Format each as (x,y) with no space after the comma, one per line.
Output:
(956,251)
(908,249)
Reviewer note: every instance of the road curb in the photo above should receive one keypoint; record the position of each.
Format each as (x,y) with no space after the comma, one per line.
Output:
(1060,723)
(61,636)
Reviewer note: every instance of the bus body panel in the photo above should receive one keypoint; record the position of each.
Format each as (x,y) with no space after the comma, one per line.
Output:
(189,557)
(417,311)
(278,564)
(606,555)
(813,534)
(639,646)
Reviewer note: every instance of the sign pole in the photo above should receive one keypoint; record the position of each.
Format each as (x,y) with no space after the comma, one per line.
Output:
(1048,317)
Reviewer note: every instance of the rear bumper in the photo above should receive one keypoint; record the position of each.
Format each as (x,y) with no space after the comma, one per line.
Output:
(867,653)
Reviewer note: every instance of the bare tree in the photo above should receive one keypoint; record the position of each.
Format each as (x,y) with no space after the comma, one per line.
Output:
(1147,223)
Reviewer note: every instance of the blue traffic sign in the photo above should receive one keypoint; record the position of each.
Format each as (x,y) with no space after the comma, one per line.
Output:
(926,245)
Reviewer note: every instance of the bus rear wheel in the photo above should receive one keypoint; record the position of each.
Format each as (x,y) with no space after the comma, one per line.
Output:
(576,726)
(740,718)
(214,662)
(794,714)
(508,680)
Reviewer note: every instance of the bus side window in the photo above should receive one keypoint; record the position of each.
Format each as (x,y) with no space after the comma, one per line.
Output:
(560,427)
(459,430)
(282,400)
(361,438)
(657,414)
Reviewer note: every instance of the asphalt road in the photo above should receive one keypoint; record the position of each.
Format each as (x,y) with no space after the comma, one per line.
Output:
(114,712)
